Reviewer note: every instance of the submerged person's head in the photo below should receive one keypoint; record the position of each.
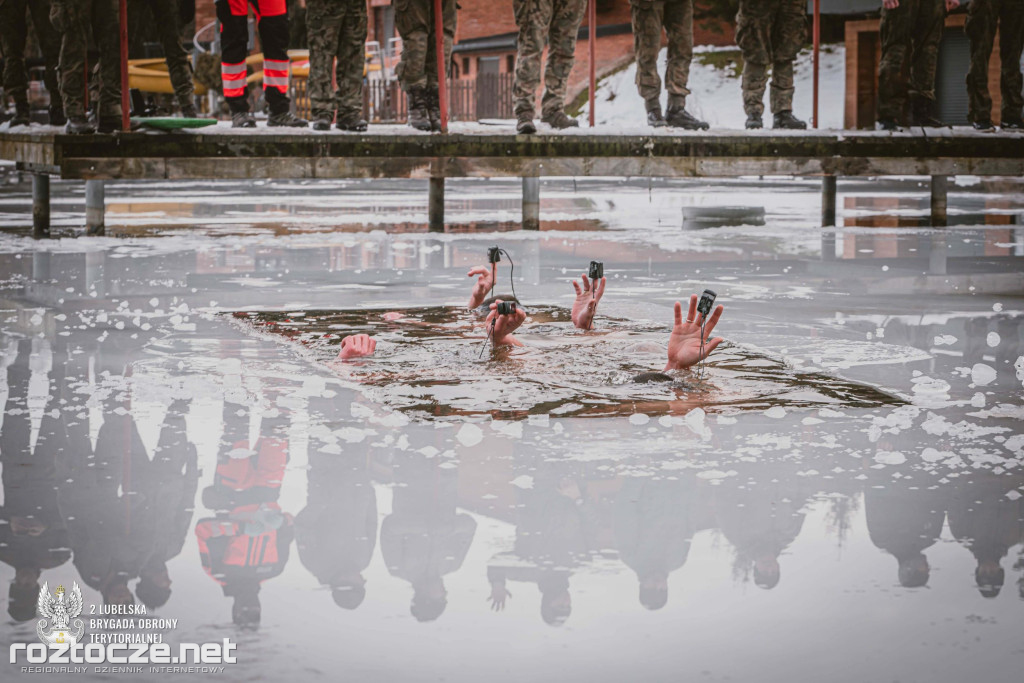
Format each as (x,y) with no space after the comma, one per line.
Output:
(914,571)
(767,572)
(652,378)
(990,578)
(154,587)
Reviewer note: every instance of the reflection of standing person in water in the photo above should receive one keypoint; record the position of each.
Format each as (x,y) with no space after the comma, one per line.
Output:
(760,514)
(904,518)
(171,482)
(248,540)
(988,523)
(655,520)
(425,538)
(337,530)
(550,543)
(33,536)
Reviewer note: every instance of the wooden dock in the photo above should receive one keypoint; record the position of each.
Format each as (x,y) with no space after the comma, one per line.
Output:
(474,150)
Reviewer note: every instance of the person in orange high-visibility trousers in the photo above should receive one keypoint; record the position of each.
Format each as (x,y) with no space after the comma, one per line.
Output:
(272,23)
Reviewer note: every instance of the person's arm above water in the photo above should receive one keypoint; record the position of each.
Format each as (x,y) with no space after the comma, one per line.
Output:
(357,346)
(585,305)
(504,325)
(486,277)
(684,346)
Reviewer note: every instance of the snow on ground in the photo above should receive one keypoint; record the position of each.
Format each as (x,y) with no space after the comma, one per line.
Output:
(716,95)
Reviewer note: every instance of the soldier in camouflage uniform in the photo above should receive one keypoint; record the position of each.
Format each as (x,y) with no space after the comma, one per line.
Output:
(336,28)
(13,33)
(674,17)
(164,20)
(77,20)
(770,33)
(556,23)
(910,29)
(417,70)
(983,16)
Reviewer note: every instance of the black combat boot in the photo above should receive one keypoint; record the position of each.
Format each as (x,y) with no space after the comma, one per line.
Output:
(985,125)
(754,122)
(22,114)
(887,124)
(922,113)
(559,120)
(323,120)
(286,119)
(188,111)
(678,117)
(524,123)
(654,117)
(351,122)
(243,119)
(79,125)
(57,117)
(108,124)
(434,109)
(786,121)
(419,118)
(1009,124)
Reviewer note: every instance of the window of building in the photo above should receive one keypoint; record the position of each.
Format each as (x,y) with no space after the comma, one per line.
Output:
(510,63)
(465,65)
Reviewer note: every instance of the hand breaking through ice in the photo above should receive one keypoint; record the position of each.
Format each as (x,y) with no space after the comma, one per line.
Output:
(486,277)
(684,346)
(504,325)
(585,305)
(357,346)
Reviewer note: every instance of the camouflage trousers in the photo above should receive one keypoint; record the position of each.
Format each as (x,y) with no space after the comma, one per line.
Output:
(911,31)
(554,23)
(336,29)
(650,18)
(770,33)
(983,16)
(163,16)
(77,20)
(13,36)
(414,20)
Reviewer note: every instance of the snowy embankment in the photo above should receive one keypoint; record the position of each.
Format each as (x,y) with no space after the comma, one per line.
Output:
(715,86)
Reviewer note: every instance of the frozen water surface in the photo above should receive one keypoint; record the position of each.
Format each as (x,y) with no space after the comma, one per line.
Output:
(839,499)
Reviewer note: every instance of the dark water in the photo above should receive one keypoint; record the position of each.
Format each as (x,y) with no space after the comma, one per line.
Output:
(840,498)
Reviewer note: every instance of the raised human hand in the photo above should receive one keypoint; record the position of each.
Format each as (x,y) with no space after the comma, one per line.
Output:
(684,345)
(499,594)
(357,346)
(585,305)
(486,277)
(504,325)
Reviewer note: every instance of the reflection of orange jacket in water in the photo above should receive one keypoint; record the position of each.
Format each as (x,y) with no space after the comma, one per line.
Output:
(250,543)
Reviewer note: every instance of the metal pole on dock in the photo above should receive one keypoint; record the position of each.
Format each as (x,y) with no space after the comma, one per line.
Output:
(435,204)
(123,32)
(531,203)
(442,78)
(40,205)
(828,201)
(95,208)
(938,203)
(817,60)
(592,47)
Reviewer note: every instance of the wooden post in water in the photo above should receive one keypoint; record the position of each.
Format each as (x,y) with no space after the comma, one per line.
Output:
(442,76)
(435,204)
(123,40)
(95,208)
(592,52)
(531,203)
(938,204)
(828,201)
(40,205)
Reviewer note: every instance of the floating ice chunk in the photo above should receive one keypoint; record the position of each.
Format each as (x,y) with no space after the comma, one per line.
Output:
(726,420)
(978,400)
(945,340)
(510,429)
(1013,495)
(809,421)
(360,411)
(428,451)
(523,481)
(1015,444)
(392,419)
(154,302)
(541,420)
(351,434)
(930,454)
(776,412)
(716,474)
(982,374)
(639,419)
(992,339)
(469,435)
(240,453)
(890,457)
